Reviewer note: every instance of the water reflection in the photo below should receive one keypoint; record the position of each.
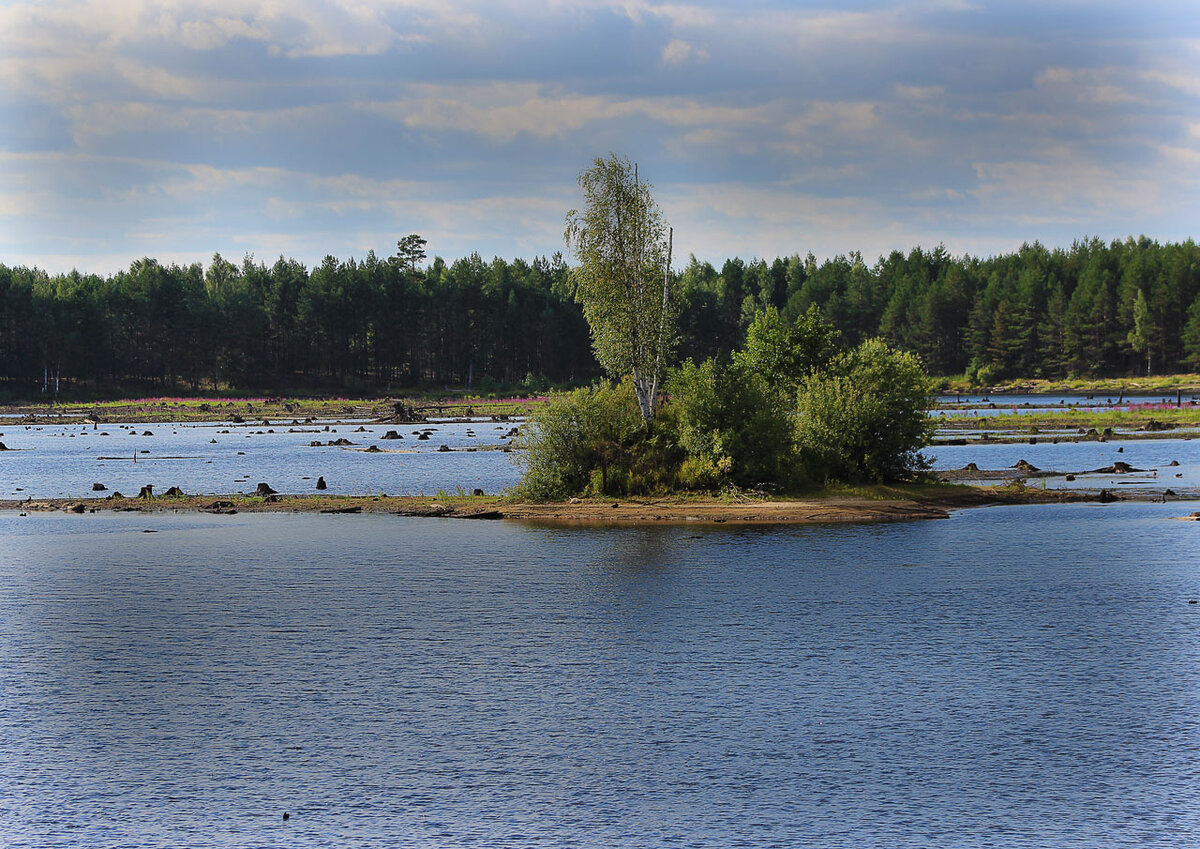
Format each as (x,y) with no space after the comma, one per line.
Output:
(1014,676)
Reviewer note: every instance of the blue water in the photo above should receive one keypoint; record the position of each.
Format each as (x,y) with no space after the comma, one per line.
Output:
(1012,677)
(1050,401)
(64,461)
(1152,456)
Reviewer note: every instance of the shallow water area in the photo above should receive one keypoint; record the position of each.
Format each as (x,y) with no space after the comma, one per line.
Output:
(983,404)
(1152,456)
(1022,677)
(64,461)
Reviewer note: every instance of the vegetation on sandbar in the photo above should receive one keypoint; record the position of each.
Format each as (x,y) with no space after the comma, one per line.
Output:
(791,407)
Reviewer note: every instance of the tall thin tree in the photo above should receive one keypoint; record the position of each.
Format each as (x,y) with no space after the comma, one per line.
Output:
(624,281)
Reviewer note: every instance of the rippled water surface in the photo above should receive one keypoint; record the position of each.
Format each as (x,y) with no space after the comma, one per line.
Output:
(64,461)
(1019,403)
(1151,457)
(58,460)
(1014,677)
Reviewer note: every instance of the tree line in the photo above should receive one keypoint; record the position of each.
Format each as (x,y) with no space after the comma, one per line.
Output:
(1095,309)
(370,325)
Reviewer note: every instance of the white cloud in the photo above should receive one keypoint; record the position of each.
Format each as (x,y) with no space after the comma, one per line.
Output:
(923,93)
(851,118)
(1184,81)
(1103,86)
(782,107)
(502,111)
(678,52)
(93,122)
(1183,162)
(678,15)
(296,28)
(1079,188)
(734,219)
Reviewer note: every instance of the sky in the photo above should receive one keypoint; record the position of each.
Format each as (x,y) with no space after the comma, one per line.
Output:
(177,129)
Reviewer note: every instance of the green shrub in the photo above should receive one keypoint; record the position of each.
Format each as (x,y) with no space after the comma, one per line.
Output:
(982,374)
(573,443)
(784,354)
(865,419)
(732,426)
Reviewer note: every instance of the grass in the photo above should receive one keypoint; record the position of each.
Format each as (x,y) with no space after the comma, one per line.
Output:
(1161,383)
(1133,416)
(915,491)
(283,409)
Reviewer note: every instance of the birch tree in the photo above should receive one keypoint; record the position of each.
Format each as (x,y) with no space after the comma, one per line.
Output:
(1139,336)
(624,281)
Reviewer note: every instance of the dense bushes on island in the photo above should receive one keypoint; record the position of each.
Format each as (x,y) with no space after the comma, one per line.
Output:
(789,407)
(748,421)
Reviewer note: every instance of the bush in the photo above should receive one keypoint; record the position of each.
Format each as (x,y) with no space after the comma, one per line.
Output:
(732,426)
(865,419)
(534,384)
(784,354)
(580,442)
(982,374)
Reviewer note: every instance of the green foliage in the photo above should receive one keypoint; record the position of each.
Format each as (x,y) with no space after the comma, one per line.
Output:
(865,418)
(732,425)
(861,416)
(981,374)
(580,441)
(1139,336)
(410,251)
(1191,336)
(784,353)
(382,323)
(375,324)
(624,280)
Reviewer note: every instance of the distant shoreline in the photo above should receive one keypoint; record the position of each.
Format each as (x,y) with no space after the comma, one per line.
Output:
(880,504)
(455,402)
(253,410)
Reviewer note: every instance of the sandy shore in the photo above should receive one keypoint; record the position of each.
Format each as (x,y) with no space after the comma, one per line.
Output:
(920,503)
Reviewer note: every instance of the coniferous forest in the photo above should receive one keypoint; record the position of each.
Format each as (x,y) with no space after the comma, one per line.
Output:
(1095,309)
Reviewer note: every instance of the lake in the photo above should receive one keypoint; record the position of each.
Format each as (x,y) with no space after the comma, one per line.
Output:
(1016,677)
(56,460)
(1022,404)
(1151,457)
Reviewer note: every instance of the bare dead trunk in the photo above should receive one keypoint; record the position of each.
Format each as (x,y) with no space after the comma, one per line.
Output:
(662,323)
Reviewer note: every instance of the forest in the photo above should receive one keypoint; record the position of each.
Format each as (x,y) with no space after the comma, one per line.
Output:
(1096,309)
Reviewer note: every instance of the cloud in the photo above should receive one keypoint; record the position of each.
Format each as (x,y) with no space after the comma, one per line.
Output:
(297,28)
(1182,81)
(1101,86)
(218,122)
(844,117)
(678,52)
(678,15)
(1078,189)
(502,111)
(733,219)
(923,93)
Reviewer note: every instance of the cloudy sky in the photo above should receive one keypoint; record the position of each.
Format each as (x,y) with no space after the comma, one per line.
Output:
(180,128)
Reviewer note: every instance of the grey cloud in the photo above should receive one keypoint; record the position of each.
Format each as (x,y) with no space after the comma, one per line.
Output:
(872,122)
